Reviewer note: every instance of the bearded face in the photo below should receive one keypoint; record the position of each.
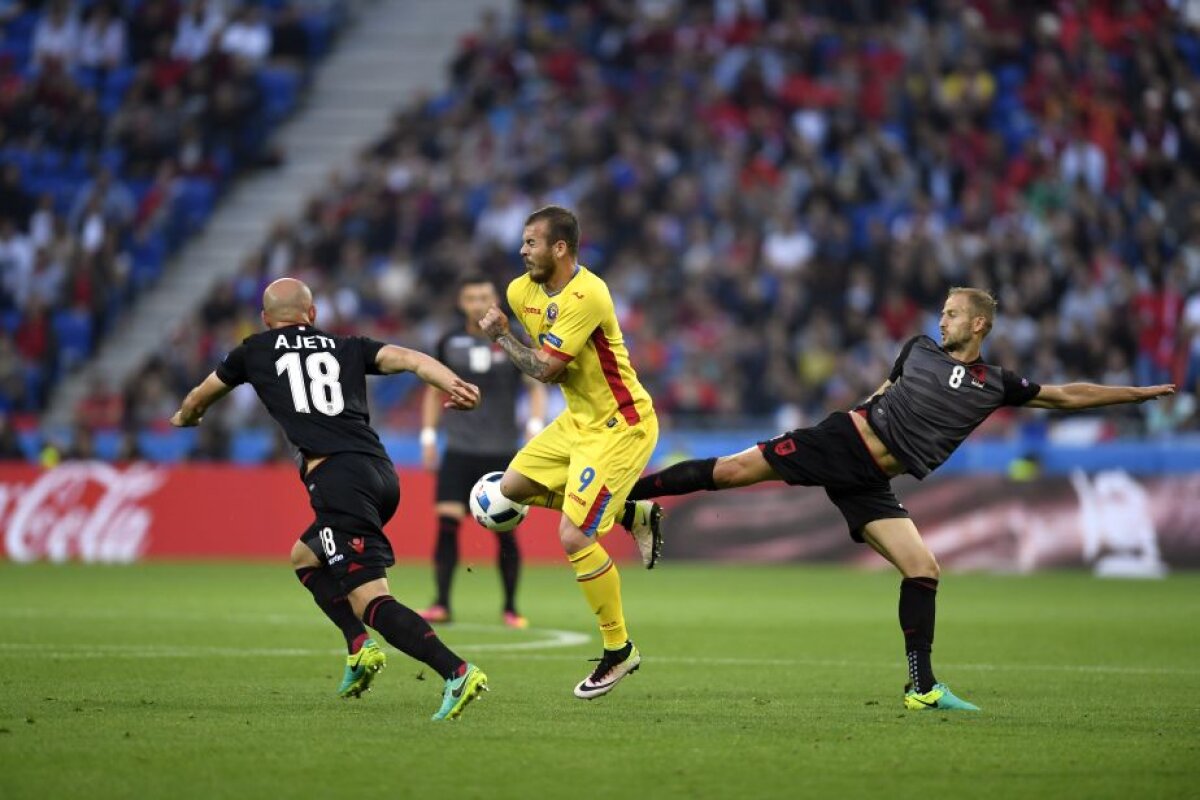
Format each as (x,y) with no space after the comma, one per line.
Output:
(956,324)
(537,252)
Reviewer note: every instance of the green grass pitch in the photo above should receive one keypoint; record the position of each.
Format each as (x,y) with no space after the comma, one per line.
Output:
(218,680)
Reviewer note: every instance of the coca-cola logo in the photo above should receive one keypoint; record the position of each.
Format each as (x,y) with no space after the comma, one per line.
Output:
(87,510)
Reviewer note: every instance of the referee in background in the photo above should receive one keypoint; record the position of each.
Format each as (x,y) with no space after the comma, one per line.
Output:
(485,443)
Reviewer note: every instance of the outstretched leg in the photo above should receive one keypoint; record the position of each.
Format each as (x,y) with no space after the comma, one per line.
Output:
(706,474)
(899,542)
(643,518)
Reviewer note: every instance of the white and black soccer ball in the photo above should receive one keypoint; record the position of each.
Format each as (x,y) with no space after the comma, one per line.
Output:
(493,510)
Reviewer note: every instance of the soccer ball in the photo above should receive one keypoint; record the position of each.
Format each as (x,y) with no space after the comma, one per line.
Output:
(493,510)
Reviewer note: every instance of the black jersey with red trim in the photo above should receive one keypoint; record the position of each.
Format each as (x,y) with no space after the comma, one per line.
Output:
(935,401)
(313,384)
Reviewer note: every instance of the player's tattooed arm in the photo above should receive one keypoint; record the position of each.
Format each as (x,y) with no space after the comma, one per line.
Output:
(536,364)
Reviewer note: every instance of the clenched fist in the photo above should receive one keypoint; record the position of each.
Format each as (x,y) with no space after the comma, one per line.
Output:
(494,323)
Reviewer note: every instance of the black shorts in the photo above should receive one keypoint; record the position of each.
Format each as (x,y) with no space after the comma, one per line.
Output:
(353,496)
(459,470)
(832,454)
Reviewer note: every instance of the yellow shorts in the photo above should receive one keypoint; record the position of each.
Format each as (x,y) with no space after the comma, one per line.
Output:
(592,469)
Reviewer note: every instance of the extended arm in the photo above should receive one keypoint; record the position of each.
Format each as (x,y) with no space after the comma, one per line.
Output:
(537,364)
(198,401)
(1076,396)
(392,359)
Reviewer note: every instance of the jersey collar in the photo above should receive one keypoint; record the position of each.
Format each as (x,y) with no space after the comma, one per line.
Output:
(565,285)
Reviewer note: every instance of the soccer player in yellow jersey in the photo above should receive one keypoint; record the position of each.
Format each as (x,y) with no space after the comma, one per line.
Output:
(588,458)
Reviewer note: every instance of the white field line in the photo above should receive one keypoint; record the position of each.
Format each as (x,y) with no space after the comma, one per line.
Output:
(554,639)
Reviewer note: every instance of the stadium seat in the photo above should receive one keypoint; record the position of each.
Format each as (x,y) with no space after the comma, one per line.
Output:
(170,447)
(73,328)
(251,446)
(148,257)
(9,320)
(195,202)
(280,88)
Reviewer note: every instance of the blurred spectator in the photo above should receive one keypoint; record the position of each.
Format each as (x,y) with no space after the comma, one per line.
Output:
(780,194)
(102,40)
(16,204)
(10,446)
(151,22)
(13,386)
(290,45)
(102,408)
(199,25)
(247,36)
(82,446)
(16,265)
(56,37)
(212,443)
(99,119)
(129,449)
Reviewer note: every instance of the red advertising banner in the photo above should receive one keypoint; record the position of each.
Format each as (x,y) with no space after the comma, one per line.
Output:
(1110,521)
(98,512)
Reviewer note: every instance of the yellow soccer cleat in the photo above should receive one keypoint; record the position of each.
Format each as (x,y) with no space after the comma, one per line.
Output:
(361,669)
(460,691)
(939,698)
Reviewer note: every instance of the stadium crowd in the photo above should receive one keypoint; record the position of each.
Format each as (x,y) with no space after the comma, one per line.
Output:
(779,194)
(119,124)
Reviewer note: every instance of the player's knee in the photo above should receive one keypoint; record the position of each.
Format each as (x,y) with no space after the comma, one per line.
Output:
(302,556)
(571,537)
(923,565)
(517,487)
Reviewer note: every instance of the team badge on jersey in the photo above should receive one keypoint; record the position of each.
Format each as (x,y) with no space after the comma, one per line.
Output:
(552,312)
(979,376)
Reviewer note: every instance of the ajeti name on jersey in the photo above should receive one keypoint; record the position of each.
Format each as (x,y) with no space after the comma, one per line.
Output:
(313,384)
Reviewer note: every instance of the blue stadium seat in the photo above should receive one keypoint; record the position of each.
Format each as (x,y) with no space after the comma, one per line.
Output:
(73,328)
(148,258)
(251,446)
(9,320)
(320,26)
(280,88)
(31,443)
(195,202)
(107,444)
(169,447)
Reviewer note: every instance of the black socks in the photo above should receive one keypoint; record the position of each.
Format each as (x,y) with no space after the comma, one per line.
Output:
(445,561)
(510,568)
(918,604)
(682,478)
(330,598)
(404,629)
(445,558)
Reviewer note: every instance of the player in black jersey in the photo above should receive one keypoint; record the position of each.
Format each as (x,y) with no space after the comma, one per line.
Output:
(932,400)
(484,442)
(314,385)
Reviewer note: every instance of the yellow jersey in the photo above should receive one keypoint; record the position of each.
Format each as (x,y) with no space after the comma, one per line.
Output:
(578,325)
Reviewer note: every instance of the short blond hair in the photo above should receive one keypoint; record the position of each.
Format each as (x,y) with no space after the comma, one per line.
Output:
(982,303)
